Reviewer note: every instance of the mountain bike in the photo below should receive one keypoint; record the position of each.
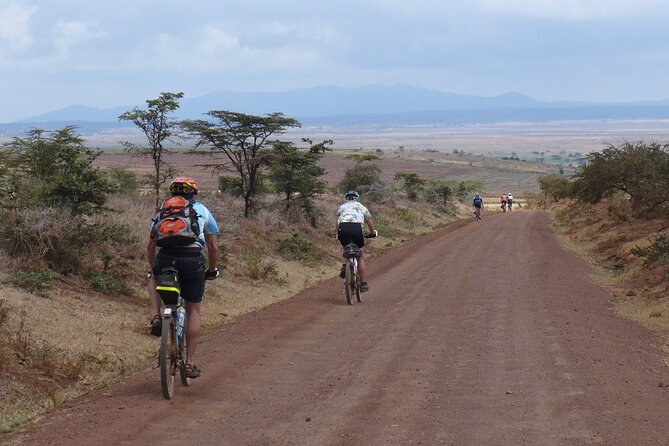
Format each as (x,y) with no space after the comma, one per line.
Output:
(351,273)
(504,207)
(172,354)
(477,214)
(509,205)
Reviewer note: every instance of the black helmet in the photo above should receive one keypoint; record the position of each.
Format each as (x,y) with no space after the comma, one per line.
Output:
(351,195)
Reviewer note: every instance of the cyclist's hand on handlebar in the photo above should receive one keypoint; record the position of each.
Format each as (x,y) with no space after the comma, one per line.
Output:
(373,234)
(211,275)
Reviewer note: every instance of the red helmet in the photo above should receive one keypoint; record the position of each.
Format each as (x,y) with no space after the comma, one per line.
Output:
(184,185)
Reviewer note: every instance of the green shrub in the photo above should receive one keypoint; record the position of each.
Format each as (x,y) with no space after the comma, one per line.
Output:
(405,217)
(122,180)
(230,185)
(57,169)
(37,282)
(258,269)
(294,248)
(362,177)
(108,284)
(656,253)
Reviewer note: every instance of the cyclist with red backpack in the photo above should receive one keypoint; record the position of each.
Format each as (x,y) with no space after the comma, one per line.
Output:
(179,233)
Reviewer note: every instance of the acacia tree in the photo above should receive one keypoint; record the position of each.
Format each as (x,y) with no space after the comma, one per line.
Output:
(413,183)
(295,173)
(244,141)
(439,189)
(558,187)
(639,170)
(158,126)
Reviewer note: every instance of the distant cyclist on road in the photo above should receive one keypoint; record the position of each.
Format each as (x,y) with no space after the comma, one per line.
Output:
(351,217)
(509,200)
(503,202)
(478,204)
(186,255)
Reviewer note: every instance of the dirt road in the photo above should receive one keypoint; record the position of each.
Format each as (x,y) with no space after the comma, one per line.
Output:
(485,333)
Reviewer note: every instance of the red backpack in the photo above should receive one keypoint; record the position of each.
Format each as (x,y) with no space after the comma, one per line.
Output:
(176,223)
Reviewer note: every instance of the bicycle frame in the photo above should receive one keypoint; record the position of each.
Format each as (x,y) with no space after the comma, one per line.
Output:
(173,340)
(352,274)
(178,314)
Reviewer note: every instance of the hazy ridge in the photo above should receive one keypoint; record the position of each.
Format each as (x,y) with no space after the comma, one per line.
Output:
(375,106)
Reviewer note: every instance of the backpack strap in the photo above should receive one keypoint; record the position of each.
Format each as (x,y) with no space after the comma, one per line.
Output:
(195,227)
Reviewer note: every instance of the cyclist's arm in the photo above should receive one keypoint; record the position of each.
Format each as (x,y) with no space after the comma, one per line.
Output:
(370,224)
(151,252)
(212,250)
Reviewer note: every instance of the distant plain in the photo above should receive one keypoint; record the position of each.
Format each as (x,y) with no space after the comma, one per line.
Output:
(430,150)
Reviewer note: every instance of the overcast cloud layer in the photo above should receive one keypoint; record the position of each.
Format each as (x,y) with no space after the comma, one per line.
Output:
(107,53)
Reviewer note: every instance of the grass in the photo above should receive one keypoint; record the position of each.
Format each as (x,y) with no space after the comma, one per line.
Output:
(630,254)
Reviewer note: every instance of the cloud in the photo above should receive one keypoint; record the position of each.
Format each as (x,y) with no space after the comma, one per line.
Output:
(215,49)
(15,20)
(567,9)
(67,35)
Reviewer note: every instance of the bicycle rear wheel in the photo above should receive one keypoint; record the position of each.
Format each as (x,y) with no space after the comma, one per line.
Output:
(348,280)
(168,357)
(357,288)
(183,350)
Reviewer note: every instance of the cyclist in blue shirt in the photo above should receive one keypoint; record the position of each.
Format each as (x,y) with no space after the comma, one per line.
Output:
(189,261)
(478,204)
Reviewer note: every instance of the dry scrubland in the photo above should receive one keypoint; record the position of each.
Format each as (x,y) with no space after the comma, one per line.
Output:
(496,174)
(63,339)
(610,234)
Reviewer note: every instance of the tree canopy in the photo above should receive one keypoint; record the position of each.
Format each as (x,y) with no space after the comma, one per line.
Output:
(158,126)
(244,141)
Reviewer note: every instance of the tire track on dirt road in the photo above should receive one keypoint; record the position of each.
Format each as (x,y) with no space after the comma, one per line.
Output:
(483,333)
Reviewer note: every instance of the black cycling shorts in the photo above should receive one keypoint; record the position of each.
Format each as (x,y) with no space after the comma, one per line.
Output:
(351,232)
(190,265)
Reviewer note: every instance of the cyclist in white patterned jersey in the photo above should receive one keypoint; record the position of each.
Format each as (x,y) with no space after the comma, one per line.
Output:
(351,217)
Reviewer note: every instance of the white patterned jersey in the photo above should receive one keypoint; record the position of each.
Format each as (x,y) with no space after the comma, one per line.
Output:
(352,212)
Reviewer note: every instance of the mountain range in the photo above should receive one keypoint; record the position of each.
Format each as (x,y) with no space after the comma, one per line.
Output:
(368,105)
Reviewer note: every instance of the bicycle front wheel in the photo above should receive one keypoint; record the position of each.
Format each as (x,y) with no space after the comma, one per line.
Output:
(348,281)
(168,357)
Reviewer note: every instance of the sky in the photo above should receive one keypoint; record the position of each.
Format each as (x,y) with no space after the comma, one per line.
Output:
(55,53)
